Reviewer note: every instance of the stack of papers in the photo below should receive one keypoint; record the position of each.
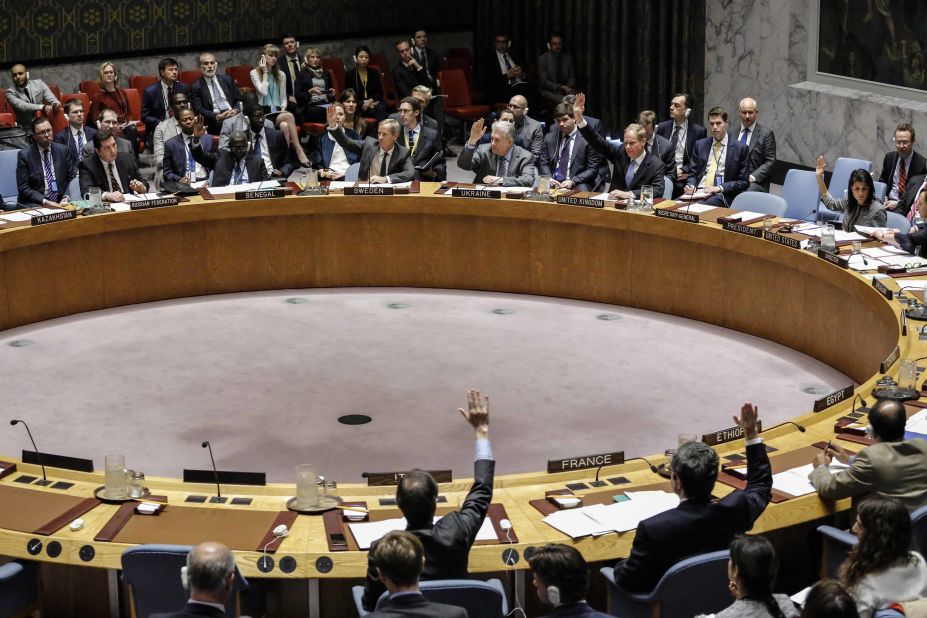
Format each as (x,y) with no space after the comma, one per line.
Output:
(599,519)
(917,424)
(698,195)
(249,186)
(813,229)
(368,532)
(795,481)
(504,189)
(141,197)
(695,208)
(746,215)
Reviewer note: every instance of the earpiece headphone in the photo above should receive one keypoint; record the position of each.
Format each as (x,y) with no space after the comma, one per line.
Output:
(27,75)
(184,578)
(688,111)
(548,45)
(553,595)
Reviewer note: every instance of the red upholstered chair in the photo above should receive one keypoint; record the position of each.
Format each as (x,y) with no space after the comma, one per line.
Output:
(241,73)
(58,119)
(314,128)
(188,77)
(135,113)
(457,58)
(90,86)
(55,90)
(140,82)
(335,66)
(4,106)
(458,103)
(7,119)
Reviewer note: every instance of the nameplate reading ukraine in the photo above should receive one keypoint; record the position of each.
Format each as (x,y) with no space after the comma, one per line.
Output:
(740,228)
(584,462)
(370,190)
(171,200)
(688,217)
(485,194)
(833,258)
(54,217)
(884,291)
(786,241)
(569,200)
(833,399)
(260,194)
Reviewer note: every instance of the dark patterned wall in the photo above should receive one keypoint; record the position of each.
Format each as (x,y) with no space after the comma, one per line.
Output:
(37,31)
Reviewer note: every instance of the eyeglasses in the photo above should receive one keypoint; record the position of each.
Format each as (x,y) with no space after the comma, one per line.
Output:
(902,142)
(45,132)
(513,106)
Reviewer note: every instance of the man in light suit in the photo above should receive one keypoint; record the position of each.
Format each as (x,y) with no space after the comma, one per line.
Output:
(561,579)
(719,166)
(891,467)
(760,142)
(214,96)
(423,143)
(657,144)
(382,160)
(76,135)
(682,134)
(529,129)
(565,156)
(500,162)
(156,97)
(45,169)
(555,71)
(115,173)
(699,524)
(28,96)
(210,580)
(900,166)
(179,164)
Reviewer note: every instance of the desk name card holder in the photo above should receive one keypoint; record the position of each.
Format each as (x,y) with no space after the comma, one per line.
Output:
(779,239)
(160,202)
(727,435)
(55,217)
(369,190)
(833,399)
(664,213)
(484,194)
(834,258)
(740,228)
(585,462)
(882,289)
(383,479)
(569,200)
(260,194)
(890,360)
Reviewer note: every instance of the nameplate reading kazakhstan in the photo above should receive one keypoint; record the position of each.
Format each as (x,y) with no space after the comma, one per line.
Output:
(779,239)
(884,291)
(726,435)
(54,217)
(370,190)
(833,258)
(260,194)
(486,194)
(569,200)
(834,398)
(380,479)
(584,462)
(740,228)
(171,200)
(888,362)
(688,217)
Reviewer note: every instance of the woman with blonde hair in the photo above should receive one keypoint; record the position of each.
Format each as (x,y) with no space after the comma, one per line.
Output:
(111,96)
(270,84)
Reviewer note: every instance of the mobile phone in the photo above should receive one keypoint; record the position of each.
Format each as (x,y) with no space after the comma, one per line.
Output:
(337,538)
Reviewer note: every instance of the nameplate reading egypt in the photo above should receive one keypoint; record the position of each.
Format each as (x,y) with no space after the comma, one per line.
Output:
(833,399)
(584,462)
(54,217)
(688,217)
(260,194)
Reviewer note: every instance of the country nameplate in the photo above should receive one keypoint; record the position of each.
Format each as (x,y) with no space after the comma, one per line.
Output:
(260,194)
(583,462)
(370,190)
(54,217)
(740,228)
(688,217)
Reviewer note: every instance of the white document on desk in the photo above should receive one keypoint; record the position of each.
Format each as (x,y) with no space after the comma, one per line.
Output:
(698,195)
(140,197)
(576,523)
(599,196)
(915,284)
(504,189)
(624,516)
(917,423)
(366,533)
(696,209)
(16,216)
(745,215)
(884,251)
(795,481)
(248,186)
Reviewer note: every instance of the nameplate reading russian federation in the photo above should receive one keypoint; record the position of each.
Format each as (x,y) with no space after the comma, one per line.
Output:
(584,462)
(260,194)
(569,200)
(834,398)
(688,217)
(54,217)
(370,190)
(884,291)
(486,194)
(890,360)
(779,239)
(740,228)
(833,258)
(171,200)
(381,479)
(726,435)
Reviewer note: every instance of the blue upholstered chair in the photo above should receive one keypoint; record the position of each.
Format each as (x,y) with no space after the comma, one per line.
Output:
(757,201)
(898,221)
(479,598)
(19,588)
(8,189)
(837,544)
(880,190)
(351,174)
(800,192)
(696,585)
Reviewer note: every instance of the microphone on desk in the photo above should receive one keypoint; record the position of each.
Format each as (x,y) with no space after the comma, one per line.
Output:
(598,470)
(800,428)
(206,444)
(864,409)
(38,455)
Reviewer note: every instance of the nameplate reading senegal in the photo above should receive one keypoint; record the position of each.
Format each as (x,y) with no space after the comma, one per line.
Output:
(485,194)
(888,362)
(884,291)
(370,190)
(688,217)
(726,435)
(833,258)
(171,200)
(584,462)
(740,228)
(569,200)
(779,239)
(260,194)
(833,399)
(54,217)
(381,479)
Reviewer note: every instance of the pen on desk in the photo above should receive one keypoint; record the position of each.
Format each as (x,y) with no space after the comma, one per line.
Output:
(359,509)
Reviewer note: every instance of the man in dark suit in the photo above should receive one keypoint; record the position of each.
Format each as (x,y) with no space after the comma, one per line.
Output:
(698,525)
(555,71)
(900,166)
(500,162)
(232,166)
(423,143)
(447,542)
(269,144)
(527,128)
(423,94)
(760,142)
(426,57)
(214,96)
(561,579)
(76,135)
(180,166)
(719,166)
(682,134)
(634,166)
(409,73)
(115,173)
(45,169)
(210,578)
(290,64)
(565,156)
(156,97)
(657,144)
(399,557)
(503,77)
(382,160)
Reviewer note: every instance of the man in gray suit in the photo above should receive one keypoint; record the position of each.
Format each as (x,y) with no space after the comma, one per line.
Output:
(555,71)
(760,142)
(529,129)
(382,160)
(28,96)
(500,162)
(658,145)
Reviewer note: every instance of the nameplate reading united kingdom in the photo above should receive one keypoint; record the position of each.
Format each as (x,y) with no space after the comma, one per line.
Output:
(486,194)
(569,200)
(688,217)
(833,399)
(171,200)
(584,462)
(884,291)
(779,239)
(370,190)
(260,194)
(54,217)
(833,258)
(740,228)
(380,479)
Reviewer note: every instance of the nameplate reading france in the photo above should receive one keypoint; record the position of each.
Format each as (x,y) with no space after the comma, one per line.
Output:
(688,217)
(779,239)
(370,190)
(172,200)
(740,228)
(569,200)
(584,462)
(834,398)
(726,435)
(833,258)
(54,217)
(380,479)
(884,291)
(485,194)
(260,194)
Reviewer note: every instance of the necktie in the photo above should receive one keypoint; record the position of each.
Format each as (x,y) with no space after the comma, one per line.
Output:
(167,102)
(629,176)
(410,140)
(674,140)
(80,142)
(113,179)
(220,100)
(508,67)
(239,170)
(294,69)
(52,188)
(902,178)
(501,167)
(382,164)
(563,165)
(27,95)
(191,162)
(713,165)
(256,149)
(743,136)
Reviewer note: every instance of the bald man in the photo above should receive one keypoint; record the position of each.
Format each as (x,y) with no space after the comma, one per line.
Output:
(28,96)
(209,577)
(760,142)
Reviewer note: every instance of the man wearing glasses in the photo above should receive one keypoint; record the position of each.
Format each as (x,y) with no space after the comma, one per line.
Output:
(45,169)
(527,128)
(899,167)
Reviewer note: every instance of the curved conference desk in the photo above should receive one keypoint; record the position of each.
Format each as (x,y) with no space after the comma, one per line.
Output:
(698,271)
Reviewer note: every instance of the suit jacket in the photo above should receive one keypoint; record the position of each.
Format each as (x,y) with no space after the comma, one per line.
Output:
(547,72)
(193,609)
(374,88)
(429,60)
(64,136)
(584,166)
(762,151)
(286,65)
(406,79)
(30,172)
(917,167)
(695,527)
(481,161)
(664,151)
(428,147)
(914,184)
(222,165)
(324,147)
(447,543)
(650,172)
(887,469)
(576,609)
(153,110)
(428,121)
(238,122)
(281,156)
(417,605)
(26,105)
(175,156)
(495,82)
(94,174)
(694,133)
(736,167)
(202,97)
(532,136)
(401,168)
(304,83)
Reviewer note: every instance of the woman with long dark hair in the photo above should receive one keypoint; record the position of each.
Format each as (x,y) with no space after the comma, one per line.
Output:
(881,569)
(352,117)
(828,599)
(860,207)
(366,84)
(751,575)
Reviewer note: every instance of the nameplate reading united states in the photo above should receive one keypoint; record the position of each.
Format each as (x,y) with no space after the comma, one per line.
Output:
(486,194)
(726,435)
(779,239)
(584,462)
(884,291)
(890,360)
(833,399)
(370,190)
(260,194)
(688,217)
(54,217)
(740,228)
(569,200)
(171,200)
(380,479)
(833,258)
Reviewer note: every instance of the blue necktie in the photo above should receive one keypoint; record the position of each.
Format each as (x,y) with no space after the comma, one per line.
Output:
(630,175)
(52,190)
(560,174)
(191,162)
(80,143)
(256,150)
(743,136)
(239,170)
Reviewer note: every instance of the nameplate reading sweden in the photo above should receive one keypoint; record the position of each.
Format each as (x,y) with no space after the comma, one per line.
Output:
(380,479)
(584,462)
(54,217)
(486,194)
(688,217)
(260,194)
(779,239)
(833,399)
(884,291)
(158,203)
(371,190)
(726,435)
(833,258)
(740,228)
(580,201)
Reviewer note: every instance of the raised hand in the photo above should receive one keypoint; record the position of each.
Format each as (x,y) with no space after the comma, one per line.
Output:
(819,166)
(477,131)
(477,413)
(749,414)
(579,105)
(330,116)
(198,127)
